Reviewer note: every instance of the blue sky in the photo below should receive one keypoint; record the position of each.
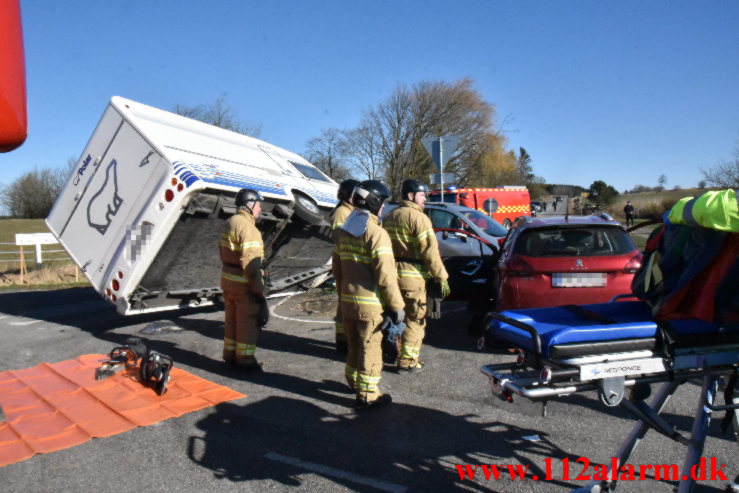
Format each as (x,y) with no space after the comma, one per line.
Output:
(622,91)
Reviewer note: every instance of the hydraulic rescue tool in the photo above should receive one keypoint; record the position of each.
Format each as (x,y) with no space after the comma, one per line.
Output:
(155,368)
(121,357)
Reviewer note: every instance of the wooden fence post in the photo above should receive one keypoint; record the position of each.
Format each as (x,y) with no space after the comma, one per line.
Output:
(23,264)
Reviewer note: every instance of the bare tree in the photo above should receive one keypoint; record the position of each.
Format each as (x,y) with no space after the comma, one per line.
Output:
(662,181)
(32,195)
(725,174)
(391,134)
(327,153)
(363,152)
(219,113)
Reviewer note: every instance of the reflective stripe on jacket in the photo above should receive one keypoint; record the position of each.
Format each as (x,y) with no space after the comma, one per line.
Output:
(716,210)
(413,238)
(242,250)
(364,268)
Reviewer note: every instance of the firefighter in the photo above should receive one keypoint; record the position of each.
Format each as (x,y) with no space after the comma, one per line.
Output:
(242,281)
(338,216)
(418,262)
(364,268)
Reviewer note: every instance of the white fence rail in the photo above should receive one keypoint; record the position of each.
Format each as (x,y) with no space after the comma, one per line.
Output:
(35,240)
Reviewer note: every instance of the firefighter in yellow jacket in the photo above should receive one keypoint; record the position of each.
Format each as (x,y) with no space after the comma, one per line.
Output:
(242,282)
(417,256)
(338,216)
(364,269)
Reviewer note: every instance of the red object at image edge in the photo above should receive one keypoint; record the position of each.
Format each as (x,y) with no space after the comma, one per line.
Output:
(13,113)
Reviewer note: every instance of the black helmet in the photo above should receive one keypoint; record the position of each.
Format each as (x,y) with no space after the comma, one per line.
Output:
(370,195)
(246,195)
(346,188)
(413,186)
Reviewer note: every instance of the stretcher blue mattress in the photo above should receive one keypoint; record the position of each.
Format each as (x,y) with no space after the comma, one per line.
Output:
(587,326)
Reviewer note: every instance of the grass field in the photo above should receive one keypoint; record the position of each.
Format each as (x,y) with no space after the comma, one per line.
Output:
(651,204)
(57,269)
(9,228)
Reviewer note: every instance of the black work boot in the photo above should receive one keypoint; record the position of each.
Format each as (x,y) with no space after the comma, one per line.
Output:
(362,403)
(254,368)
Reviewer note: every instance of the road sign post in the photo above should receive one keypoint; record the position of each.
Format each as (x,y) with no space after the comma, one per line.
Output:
(441,150)
(36,239)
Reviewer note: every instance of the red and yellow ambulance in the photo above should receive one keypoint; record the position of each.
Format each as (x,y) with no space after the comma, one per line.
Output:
(504,204)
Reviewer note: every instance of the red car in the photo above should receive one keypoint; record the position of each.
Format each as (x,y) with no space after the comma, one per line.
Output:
(552,261)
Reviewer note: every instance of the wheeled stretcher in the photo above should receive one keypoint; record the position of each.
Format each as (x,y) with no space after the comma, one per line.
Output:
(613,347)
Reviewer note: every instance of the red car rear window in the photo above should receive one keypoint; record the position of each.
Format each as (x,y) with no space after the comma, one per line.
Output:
(573,241)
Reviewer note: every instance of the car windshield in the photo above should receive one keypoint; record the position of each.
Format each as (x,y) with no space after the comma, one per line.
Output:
(574,241)
(449,198)
(484,222)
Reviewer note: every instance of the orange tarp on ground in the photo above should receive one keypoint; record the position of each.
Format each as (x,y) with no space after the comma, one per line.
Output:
(54,406)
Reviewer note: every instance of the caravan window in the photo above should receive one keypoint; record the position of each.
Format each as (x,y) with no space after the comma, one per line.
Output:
(310,172)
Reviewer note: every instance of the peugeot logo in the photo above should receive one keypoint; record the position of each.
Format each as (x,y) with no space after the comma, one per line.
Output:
(578,262)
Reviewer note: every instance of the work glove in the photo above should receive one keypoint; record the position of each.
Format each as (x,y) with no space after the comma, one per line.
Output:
(263,314)
(433,308)
(444,288)
(434,295)
(392,317)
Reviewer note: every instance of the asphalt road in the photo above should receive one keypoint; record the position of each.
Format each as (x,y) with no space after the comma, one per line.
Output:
(297,428)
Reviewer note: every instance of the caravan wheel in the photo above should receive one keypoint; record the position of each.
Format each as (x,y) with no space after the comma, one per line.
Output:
(307,210)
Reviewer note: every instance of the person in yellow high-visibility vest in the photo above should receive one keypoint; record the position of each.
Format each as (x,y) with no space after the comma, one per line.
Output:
(241,250)
(338,216)
(364,268)
(418,261)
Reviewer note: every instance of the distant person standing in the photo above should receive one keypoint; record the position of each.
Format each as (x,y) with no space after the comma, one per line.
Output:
(554,205)
(629,212)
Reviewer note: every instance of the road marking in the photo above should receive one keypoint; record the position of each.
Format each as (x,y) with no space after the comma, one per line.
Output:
(337,473)
(272,311)
(27,322)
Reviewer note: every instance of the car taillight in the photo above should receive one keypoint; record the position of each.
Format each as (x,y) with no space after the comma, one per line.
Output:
(519,268)
(634,264)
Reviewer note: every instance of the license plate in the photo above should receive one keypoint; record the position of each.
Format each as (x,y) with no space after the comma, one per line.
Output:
(579,280)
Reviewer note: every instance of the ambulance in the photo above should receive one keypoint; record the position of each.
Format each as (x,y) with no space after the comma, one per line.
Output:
(503,204)
(141,214)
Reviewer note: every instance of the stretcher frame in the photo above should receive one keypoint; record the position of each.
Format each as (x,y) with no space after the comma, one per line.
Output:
(539,379)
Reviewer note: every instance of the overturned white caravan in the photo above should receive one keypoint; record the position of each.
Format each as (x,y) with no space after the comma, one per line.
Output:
(142,213)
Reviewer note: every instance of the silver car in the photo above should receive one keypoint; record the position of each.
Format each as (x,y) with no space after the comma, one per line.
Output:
(468,241)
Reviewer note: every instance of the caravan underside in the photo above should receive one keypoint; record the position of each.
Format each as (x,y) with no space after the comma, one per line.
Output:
(186,270)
